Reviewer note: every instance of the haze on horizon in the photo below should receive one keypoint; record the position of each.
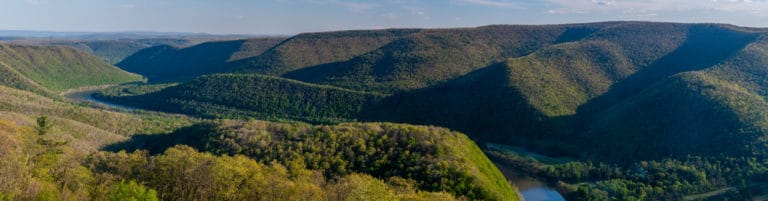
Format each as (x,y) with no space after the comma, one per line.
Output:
(297,16)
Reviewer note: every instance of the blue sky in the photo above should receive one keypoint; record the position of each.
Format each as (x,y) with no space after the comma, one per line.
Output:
(296,16)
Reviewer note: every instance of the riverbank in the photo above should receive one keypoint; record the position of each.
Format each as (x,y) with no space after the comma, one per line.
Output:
(530,187)
(85,94)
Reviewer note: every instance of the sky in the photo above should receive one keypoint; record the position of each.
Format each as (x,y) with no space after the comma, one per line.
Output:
(287,17)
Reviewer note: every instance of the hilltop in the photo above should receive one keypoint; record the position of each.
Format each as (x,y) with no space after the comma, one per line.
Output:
(431,57)
(55,69)
(167,63)
(391,152)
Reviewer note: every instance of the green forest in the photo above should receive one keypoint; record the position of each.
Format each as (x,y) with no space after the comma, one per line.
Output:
(247,96)
(594,111)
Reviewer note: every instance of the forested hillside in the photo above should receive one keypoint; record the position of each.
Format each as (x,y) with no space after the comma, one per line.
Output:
(55,69)
(640,110)
(112,51)
(166,63)
(114,47)
(412,156)
(728,100)
(55,149)
(311,49)
(45,142)
(522,85)
(51,152)
(429,57)
(241,96)
(553,92)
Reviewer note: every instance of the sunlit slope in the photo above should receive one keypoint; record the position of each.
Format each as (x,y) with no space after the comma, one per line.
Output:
(717,110)
(433,56)
(554,92)
(436,159)
(33,105)
(559,89)
(56,68)
(311,49)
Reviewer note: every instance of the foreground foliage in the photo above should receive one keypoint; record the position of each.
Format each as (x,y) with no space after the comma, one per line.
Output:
(181,173)
(430,158)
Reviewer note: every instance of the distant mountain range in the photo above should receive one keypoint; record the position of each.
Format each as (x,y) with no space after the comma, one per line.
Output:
(113,47)
(110,35)
(53,69)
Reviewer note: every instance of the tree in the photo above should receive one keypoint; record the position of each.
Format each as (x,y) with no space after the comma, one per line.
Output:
(359,187)
(131,191)
(43,125)
(6,197)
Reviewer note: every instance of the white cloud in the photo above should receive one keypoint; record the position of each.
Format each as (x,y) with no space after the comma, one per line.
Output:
(128,6)
(604,2)
(757,7)
(413,10)
(493,3)
(34,2)
(357,7)
(390,16)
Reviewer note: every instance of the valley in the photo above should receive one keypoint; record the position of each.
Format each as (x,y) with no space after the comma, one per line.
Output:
(619,110)
(85,95)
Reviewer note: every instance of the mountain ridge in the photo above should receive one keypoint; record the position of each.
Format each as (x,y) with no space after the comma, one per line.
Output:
(54,69)
(549,90)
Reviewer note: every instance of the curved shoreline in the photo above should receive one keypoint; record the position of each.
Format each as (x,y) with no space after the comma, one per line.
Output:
(85,94)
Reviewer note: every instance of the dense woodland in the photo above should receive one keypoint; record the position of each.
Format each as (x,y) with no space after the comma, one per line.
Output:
(55,69)
(425,157)
(54,150)
(168,63)
(244,96)
(617,94)
(600,111)
(59,150)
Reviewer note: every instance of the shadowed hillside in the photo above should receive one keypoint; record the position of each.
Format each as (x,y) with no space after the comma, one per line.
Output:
(433,56)
(705,46)
(541,87)
(166,63)
(548,92)
(311,49)
(481,103)
(709,109)
(239,96)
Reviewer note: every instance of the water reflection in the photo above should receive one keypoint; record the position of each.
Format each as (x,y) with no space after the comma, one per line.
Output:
(530,188)
(86,95)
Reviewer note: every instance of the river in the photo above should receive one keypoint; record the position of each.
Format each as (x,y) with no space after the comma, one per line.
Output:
(86,95)
(531,188)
